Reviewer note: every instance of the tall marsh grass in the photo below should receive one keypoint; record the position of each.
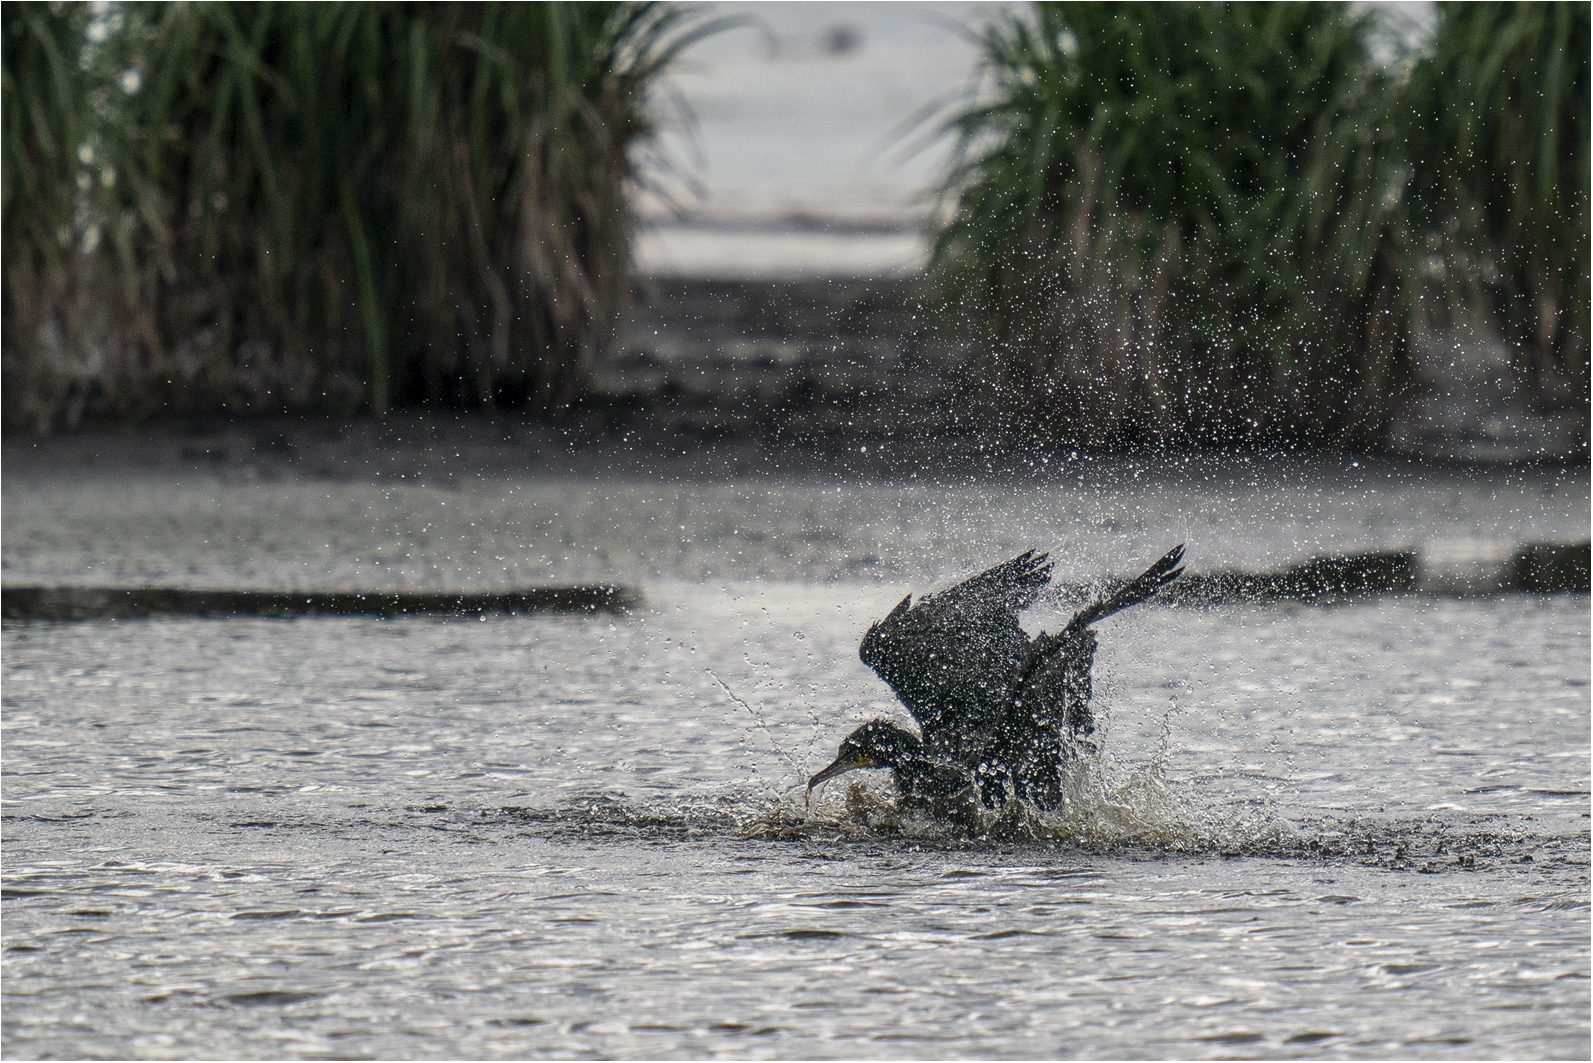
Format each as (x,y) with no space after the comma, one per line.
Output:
(1499,104)
(1208,223)
(53,306)
(333,206)
(1165,223)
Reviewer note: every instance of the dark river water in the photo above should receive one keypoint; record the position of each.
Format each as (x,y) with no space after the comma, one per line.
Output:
(1346,831)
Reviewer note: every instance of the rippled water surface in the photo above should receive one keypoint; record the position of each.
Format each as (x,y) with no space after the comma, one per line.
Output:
(1350,831)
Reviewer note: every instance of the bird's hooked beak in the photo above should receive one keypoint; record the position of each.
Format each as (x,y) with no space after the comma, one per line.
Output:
(841,765)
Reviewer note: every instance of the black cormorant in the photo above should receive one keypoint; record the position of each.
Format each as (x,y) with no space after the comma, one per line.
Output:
(997,709)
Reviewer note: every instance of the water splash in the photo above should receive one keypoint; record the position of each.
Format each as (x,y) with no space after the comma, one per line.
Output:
(757,718)
(1145,810)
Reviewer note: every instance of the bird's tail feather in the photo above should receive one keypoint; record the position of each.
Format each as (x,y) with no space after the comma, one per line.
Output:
(1133,592)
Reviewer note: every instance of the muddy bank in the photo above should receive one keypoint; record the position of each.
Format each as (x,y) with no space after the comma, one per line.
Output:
(669,440)
(847,373)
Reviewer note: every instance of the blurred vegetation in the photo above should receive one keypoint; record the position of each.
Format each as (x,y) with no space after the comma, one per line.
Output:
(1499,121)
(318,206)
(1165,223)
(1211,223)
(48,293)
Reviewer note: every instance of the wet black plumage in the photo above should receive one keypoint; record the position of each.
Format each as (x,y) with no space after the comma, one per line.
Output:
(925,784)
(1004,709)
(953,656)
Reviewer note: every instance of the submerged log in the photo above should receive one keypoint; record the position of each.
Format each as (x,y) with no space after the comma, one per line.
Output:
(1552,567)
(1537,567)
(1323,580)
(95,603)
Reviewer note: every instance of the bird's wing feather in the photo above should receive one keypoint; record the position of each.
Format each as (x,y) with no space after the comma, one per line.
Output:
(1049,716)
(1146,584)
(1052,694)
(954,656)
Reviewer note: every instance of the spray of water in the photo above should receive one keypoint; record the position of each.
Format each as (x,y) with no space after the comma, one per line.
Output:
(757,718)
(1144,810)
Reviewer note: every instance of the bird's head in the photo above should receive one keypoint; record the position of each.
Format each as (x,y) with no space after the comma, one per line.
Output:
(876,744)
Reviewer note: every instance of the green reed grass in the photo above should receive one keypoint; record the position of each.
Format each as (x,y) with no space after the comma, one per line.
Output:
(48,121)
(1177,223)
(45,124)
(1499,109)
(326,206)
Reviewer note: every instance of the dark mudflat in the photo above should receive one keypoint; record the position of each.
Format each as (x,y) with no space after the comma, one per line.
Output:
(87,603)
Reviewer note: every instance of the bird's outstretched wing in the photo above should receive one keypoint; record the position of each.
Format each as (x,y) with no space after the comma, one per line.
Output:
(1136,590)
(1049,716)
(954,656)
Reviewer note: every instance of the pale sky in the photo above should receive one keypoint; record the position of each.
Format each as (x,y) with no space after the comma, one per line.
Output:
(804,135)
